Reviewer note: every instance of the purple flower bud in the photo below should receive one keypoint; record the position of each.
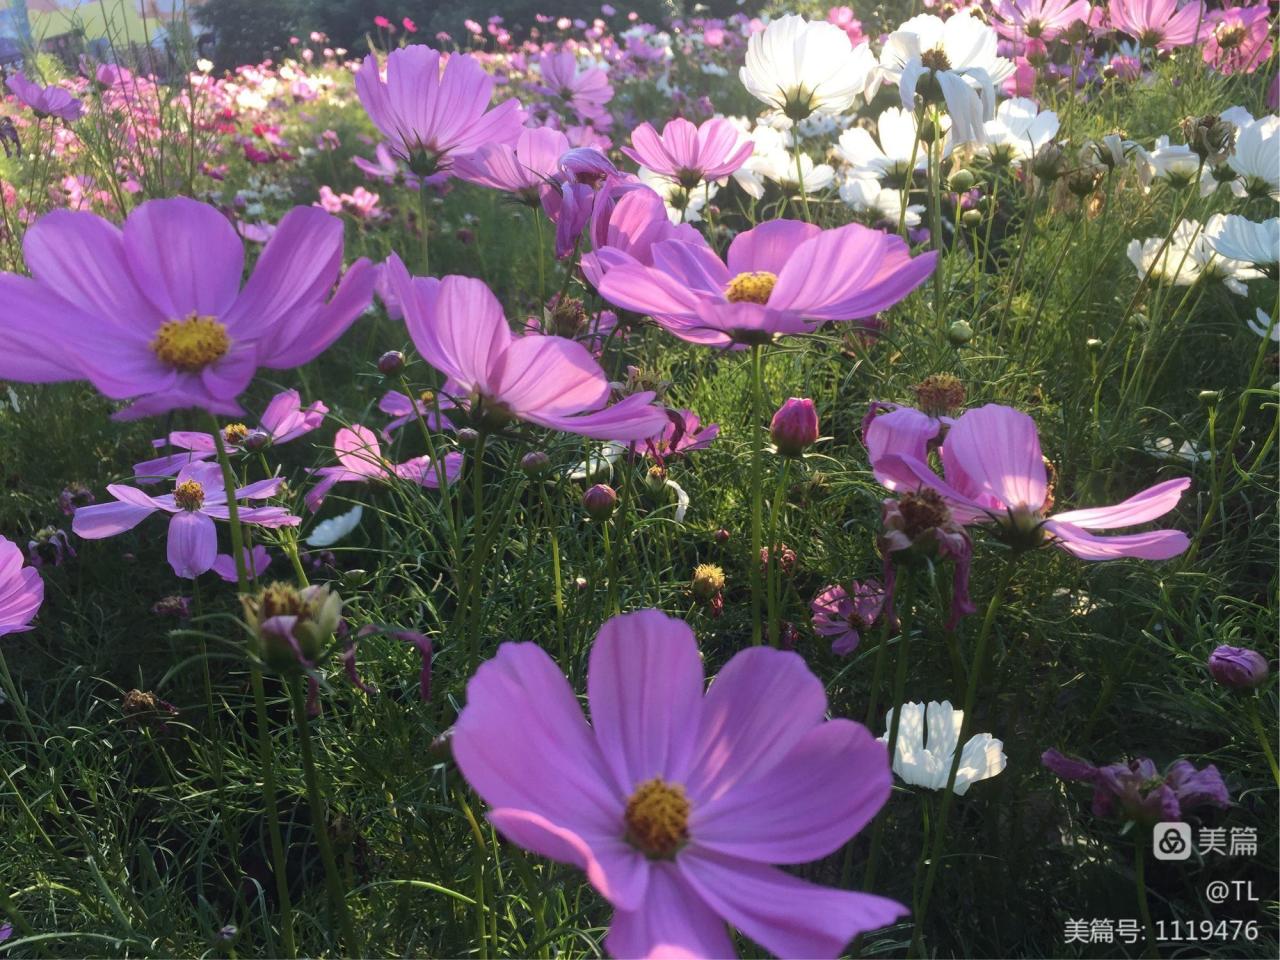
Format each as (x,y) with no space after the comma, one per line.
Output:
(391,363)
(794,427)
(256,440)
(535,463)
(599,501)
(1238,667)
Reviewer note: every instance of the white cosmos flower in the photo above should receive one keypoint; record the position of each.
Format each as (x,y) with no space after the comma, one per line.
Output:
(887,156)
(1175,162)
(1261,323)
(328,532)
(1256,157)
(1239,238)
(1018,131)
(600,464)
(870,196)
(683,206)
(926,747)
(812,178)
(800,67)
(1163,448)
(1188,257)
(953,60)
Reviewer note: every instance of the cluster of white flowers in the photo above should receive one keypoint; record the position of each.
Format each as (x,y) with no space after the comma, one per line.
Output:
(926,748)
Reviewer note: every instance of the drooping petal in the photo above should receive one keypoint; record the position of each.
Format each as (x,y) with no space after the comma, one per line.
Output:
(673,923)
(359,451)
(1153,545)
(645,691)
(1148,505)
(630,419)
(100,520)
(193,543)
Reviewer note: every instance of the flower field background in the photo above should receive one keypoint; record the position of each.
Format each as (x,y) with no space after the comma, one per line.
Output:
(401,431)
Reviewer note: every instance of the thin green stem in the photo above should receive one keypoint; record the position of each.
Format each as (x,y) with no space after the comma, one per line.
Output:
(772,570)
(757,466)
(804,194)
(473,608)
(1140,883)
(1251,708)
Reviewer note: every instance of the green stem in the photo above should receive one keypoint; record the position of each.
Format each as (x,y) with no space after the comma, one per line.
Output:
(424,202)
(610,572)
(948,793)
(473,608)
(320,818)
(757,464)
(877,673)
(804,194)
(1251,708)
(1140,883)
(771,569)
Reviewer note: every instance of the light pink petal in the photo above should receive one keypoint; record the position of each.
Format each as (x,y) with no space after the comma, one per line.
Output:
(903,431)
(260,489)
(306,334)
(193,543)
(645,290)
(551,376)
(673,923)
(695,266)
(359,451)
(423,471)
(137,498)
(900,474)
(615,868)
(100,520)
(271,517)
(1148,505)
(630,419)
(645,690)
(787,916)
(768,246)
(826,789)
(38,324)
(461,330)
(1153,545)
(185,256)
(998,449)
(758,708)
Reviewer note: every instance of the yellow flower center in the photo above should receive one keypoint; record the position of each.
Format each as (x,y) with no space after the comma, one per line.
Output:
(189,495)
(753,287)
(658,819)
(234,433)
(192,343)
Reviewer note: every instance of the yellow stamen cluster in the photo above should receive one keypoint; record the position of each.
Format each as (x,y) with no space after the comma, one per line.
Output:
(234,433)
(189,495)
(657,819)
(753,287)
(192,343)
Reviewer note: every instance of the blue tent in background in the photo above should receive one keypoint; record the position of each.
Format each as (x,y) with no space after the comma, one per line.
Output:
(15,30)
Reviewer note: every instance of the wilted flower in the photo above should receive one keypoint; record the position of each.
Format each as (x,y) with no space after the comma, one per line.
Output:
(174,605)
(1135,790)
(1210,137)
(708,581)
(49,547)
(74,496)
(843,616)
(292,626)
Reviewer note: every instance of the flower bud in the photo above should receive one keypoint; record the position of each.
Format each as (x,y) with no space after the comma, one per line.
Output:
(961,181)
(1238,667)
(1209,397)
(391,363)
(467,437)
(535,463)
(599,501)
(1049,163)
(959,333)
(708,581)
(794,427)
(292,626)
(1094,344)
(971,218)
(722,535)
(256,441)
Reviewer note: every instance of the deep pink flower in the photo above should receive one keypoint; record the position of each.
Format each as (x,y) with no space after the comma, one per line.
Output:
(1238,39)
(1037,19)
(782,277)
(673,802)
(198,499)
(256,562)
(155,311)
(360,460)
(683,434)
(433,110)
(794,427)
(586,92)
(1159,24)
(843,616)
(995,474)
(284,419)
(21,590)
(1136,790)
(50,101)
(522,169)
(628,229)
(690,154)
(458,327)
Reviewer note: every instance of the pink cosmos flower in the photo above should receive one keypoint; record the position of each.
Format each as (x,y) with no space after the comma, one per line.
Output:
(1159,24)
(198,499)
(360,460)
(1037,19)
(843,616)
(995,474)
(458,327)
(586,92)
(1238,39)
(689,154)
(256,562)
(628,229)
(433,110)
(21,590)
(155,311)
(684,433)
(50,101)
(673,802)
(406,409)
(781,277)
(522,169)
(284,419)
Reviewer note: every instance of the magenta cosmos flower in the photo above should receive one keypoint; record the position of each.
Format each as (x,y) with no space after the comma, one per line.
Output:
(434,109)
(1136,790)
(627,230)
(458,327)
(284,419)
(1159,24)
(21,590)
(1038,19)
(689,154)
(360,460)
(523,169)
(155,311)
(586,92)
(782,277)
(995,474)
(676,803)
(198,499)
(843,616)
(1238,39)
(51,101)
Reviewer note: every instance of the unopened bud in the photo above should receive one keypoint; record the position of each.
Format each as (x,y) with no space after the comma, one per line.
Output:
(961,181)
(535,463)
(391,363)
(959,333)
(256,440)
(599,501)
(467,437)
(794,427)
